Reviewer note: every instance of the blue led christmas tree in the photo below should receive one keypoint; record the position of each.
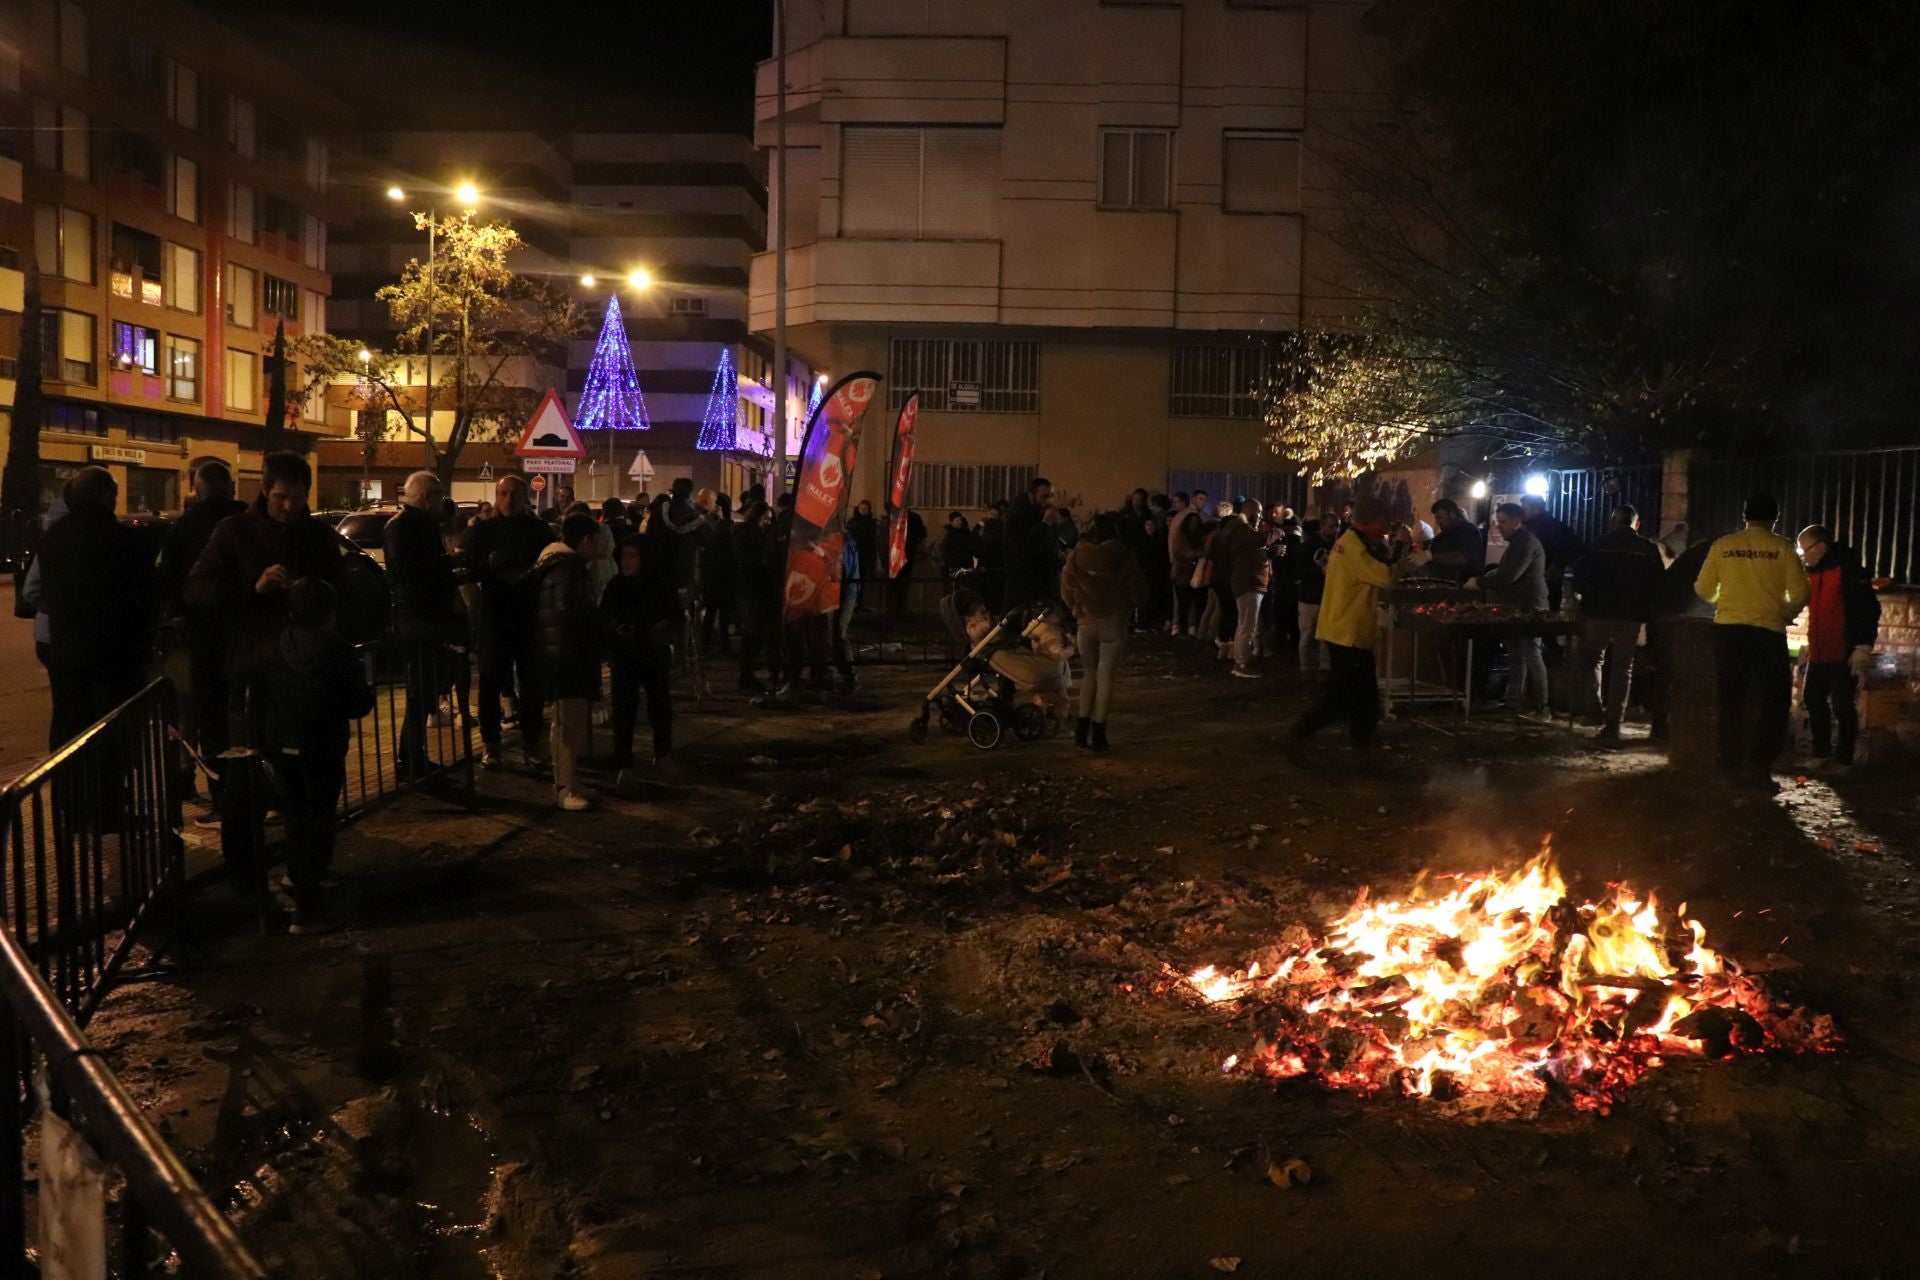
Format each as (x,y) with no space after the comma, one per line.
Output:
(717,427)
(611,398)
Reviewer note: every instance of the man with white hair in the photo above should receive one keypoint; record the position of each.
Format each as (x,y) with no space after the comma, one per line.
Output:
(425,605)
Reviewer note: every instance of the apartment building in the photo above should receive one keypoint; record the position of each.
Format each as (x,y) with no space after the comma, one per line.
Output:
(687,206)
(177,194)
(1073,228)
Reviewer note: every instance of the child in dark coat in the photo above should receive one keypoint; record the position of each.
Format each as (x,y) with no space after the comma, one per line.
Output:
(642,615)
(314,689)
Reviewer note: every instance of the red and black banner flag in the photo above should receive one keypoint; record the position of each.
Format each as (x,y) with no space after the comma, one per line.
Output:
(820,499)
(897,491)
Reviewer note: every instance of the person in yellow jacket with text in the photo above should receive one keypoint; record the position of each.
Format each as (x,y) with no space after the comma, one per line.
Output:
(1361,564)
(1756,584)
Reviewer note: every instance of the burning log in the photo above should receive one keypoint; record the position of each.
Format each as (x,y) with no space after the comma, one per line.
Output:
(1501,991)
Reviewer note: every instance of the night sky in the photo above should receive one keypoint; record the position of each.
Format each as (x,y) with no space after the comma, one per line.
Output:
(549,60)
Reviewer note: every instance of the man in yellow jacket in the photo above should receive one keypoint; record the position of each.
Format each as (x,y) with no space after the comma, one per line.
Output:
(1757,585)
(1361,564)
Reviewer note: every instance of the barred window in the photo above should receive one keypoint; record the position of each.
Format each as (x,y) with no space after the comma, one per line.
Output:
(1219,380)
(959,375)
(935,488)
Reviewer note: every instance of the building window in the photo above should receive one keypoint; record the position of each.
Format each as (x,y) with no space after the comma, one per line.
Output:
(63,242)
(73,38)
(313,311)
(183,278)
(1219,380)
(240,126)
(136,347)
(281,221)
(280,297)
(919,184)
(135,265)
(942,486)
(243,377)
(74,419)
(138,72)
(1135,165)
(243,288)
(184,199)
(155,428)
(277,136)
(62,139)
(183,95)
(241,223)
(1261,172)
(958,375)
(313,244)
(67,343)
(316,164)
(684,306)
(183,368)
(140,159)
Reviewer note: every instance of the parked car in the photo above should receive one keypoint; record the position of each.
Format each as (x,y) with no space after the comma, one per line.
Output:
(364,529)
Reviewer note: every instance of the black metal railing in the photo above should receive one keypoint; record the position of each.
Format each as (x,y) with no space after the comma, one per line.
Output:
(91,846)
(420,730)
(1584,498)
(420,733)
(1869,498)
(156,1193)
(91,851)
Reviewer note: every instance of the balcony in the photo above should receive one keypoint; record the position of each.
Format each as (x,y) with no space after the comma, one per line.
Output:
(13,282)
(887,80)
(924,281)
(11,180)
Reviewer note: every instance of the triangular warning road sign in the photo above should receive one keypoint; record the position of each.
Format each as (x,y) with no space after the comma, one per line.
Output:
(550,433)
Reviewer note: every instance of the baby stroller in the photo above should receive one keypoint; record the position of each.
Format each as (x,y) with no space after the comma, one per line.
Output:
(981,696)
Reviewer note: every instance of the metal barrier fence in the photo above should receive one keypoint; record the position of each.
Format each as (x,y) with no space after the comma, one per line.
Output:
(157,1194)
(1870,498)
(92,846)
(91,850)
(1584,498)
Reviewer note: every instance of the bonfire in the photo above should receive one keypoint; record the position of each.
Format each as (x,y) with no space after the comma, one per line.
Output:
(1499,992)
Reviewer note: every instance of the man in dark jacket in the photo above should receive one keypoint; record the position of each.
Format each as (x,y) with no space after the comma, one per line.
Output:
(314,688)
(1557,540)
(1843,621)
(1458,552)
(200,628)
(97,591)
(253,558)
(755,593)
(643,620)
(425,607)
(569,649)
(1241,564)
(1616,579)
(499,556)
(1032,555)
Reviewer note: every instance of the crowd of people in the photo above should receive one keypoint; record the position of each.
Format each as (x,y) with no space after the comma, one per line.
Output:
(548,601)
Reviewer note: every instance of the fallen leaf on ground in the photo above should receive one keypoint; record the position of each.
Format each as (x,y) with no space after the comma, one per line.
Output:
(1224,1264)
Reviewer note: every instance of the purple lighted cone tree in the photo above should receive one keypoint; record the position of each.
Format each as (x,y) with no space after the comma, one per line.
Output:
(722,419)
(611,400)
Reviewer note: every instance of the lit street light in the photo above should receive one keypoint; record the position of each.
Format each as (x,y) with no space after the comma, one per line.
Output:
(1479,490)
(468,195)
(640,278)
(587,282)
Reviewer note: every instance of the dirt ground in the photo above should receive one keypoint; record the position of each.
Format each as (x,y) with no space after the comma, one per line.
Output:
(836,1005)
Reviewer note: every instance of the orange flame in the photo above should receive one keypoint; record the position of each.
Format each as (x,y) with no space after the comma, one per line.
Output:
(1503,986)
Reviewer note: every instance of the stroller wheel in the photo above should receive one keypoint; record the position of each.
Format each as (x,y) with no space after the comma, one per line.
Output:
(1029,723)
(983,731)
(917,731)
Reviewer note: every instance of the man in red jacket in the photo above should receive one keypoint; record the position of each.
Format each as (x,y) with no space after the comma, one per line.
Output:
(1843,618)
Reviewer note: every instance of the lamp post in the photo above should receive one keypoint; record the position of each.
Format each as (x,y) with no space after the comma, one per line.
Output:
(469,196)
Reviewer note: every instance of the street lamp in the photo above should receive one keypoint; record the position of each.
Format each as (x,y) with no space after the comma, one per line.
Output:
(1479,490)
(640,278)
(587,282)
(1536,486)
(469,196)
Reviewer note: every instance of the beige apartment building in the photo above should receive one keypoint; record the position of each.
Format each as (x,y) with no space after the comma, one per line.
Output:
(1073,226)
(175,190)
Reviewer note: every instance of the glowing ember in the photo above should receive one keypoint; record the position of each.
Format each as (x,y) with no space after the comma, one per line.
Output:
(1501,990)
